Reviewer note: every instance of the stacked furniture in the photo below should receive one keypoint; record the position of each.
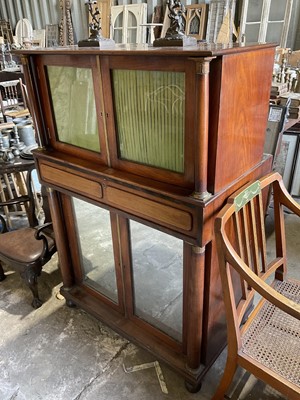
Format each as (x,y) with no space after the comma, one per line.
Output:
(140,149)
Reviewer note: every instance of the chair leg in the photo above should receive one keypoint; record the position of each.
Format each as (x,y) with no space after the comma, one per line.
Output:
(2,274)
(30,277)
(226,380)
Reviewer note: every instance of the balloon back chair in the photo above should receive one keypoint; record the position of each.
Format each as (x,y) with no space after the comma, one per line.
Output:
(268,344)
(28,249)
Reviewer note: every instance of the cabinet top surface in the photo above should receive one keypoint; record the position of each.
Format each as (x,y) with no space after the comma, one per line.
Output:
(201,50)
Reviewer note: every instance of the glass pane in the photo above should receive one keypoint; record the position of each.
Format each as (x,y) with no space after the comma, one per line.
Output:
(132,22)
(119,21)
(252,32)
(74,107)
(274,32)
(96,247)
(157,260)
(277,10)
(132,35)
(254,11)
(118,33)
(150,114)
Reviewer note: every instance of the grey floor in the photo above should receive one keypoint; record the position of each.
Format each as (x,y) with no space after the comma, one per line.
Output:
(61,353)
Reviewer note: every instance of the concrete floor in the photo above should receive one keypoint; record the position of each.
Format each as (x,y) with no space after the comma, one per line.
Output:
(61,353)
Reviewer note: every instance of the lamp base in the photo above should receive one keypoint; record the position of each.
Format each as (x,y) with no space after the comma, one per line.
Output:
(99,41)
(178,41)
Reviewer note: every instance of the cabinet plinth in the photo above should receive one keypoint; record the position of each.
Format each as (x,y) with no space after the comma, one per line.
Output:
(140,148)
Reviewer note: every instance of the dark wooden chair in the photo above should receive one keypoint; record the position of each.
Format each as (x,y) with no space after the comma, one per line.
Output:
(268,343)
(27,249)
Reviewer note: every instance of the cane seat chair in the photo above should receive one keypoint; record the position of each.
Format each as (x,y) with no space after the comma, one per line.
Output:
(268,343)
(12,100)
(28,249)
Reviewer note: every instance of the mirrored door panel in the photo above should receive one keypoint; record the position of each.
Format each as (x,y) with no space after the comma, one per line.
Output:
(157,265)
(95,243)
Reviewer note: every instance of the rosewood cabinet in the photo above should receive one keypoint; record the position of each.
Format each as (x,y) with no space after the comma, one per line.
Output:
(140,148)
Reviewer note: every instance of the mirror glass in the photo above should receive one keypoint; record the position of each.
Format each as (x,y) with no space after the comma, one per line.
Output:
(96,248)
(157,264)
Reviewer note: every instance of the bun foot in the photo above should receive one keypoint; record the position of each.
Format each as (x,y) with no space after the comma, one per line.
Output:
(70,303)
(193,388)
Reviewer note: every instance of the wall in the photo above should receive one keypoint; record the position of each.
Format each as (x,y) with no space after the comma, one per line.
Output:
(42,12)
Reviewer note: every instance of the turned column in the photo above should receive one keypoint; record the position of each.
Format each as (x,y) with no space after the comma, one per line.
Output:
(201,128)
(60,239)
(194,304)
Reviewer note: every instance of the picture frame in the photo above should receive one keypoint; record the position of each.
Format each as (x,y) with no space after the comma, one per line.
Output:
(295,188)
(39,38)
(196,20)
(6,31)
(276,119)
(286,159)
(52,35)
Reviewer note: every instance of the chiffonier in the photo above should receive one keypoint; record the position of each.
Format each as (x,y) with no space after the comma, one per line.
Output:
(139,148)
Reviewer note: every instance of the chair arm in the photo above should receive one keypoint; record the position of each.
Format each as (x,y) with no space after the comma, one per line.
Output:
(40,229)
(280,190)
(41,235)
(265,290)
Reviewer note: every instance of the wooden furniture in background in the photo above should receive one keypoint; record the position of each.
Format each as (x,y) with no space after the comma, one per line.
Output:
(12,99)
(134,189)
(51,35)
(196,20)
(66,32)
(264,22)
(6,31)
(104,7)
(128,23)
(275,126)
(27,250)
(217,12)
(268,344)
(13,189)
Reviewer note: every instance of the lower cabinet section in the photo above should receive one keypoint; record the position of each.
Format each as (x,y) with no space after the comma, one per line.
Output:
(146,268)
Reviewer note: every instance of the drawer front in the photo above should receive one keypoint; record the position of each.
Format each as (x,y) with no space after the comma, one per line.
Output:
(149,209)
(70,181)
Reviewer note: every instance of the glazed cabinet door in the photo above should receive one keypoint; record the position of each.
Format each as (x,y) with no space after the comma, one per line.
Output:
(72,105)
(154,274)
(136,269)
(151,117)
(93,237)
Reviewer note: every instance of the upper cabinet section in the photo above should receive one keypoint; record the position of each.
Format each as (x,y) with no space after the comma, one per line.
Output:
(128,114)
(193,117)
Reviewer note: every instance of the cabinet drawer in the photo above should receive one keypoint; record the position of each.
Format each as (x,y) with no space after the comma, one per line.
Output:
(149,209)
(72,182)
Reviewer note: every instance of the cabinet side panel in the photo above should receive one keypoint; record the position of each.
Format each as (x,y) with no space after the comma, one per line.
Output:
(238,142)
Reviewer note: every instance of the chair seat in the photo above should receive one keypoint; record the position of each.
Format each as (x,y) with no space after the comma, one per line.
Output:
(23,248)
(21,112)
(273,337)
